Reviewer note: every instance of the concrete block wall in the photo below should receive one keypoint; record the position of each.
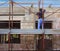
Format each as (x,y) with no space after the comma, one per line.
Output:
(56,25)
(27,41)
(56,38)
(3,47)
(28,22)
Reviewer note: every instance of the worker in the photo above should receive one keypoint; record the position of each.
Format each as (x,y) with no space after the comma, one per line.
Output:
(40,20)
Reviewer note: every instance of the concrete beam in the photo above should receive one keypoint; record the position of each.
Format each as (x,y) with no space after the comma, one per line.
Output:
(13,14)
(30,31)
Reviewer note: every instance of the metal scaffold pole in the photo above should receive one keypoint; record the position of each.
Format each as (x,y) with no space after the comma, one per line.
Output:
(10,23)
(40,3)
(9,28)
(43,45)
(43,41)
(12,13)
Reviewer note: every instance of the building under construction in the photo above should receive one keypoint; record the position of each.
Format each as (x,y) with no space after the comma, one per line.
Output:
(18,28)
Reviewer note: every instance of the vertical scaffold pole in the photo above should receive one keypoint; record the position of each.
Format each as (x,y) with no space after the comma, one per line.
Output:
(43,41)
(12,13)
(10,22)
(9,27)
(39,35)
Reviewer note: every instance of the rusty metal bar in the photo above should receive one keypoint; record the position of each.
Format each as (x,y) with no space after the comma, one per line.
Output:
(43,44)
(53,13)
(39,3)
(12,13)
(9,27)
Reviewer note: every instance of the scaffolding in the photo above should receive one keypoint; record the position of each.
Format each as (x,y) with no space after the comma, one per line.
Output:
(40,32)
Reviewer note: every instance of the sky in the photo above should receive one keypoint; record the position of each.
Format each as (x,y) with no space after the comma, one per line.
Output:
(54,3)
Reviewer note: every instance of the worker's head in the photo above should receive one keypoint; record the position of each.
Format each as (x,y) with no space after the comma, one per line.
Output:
(41,10)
